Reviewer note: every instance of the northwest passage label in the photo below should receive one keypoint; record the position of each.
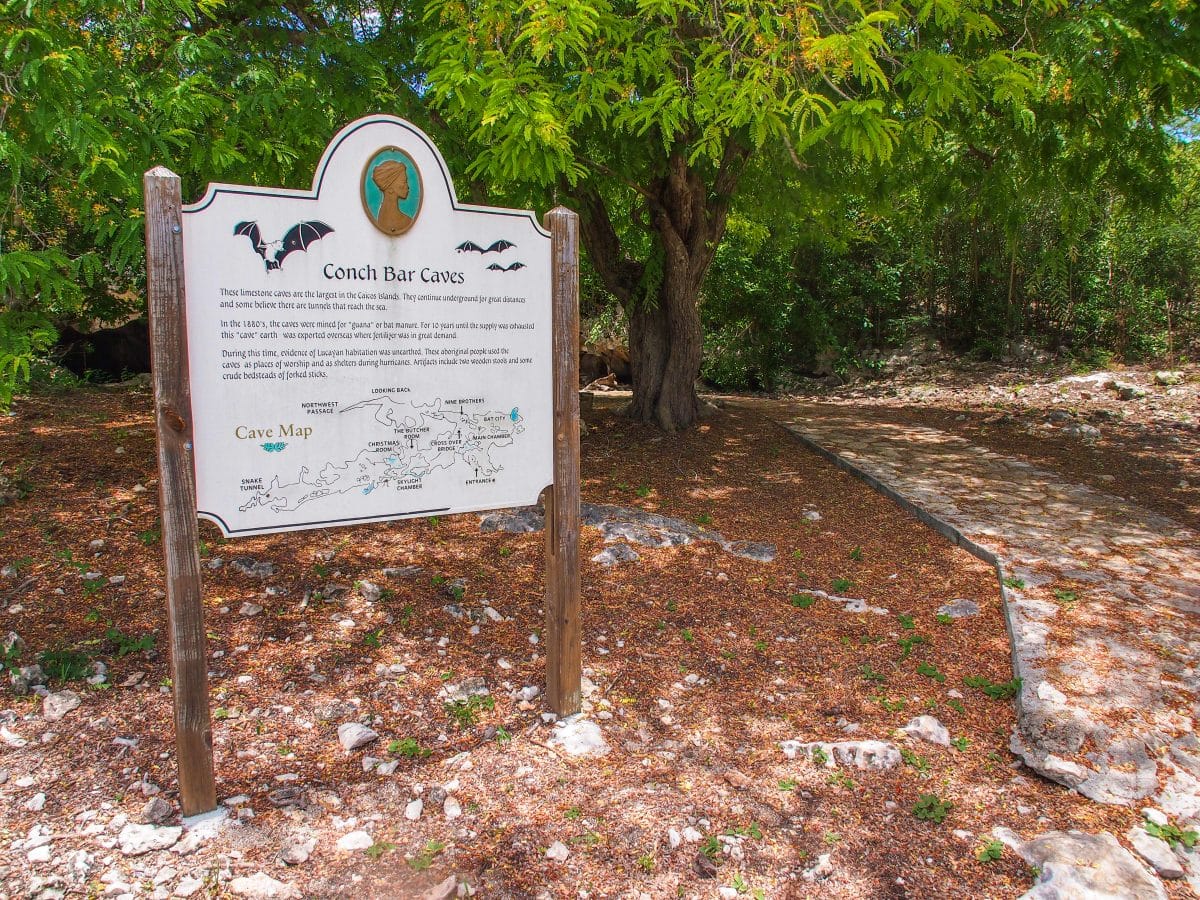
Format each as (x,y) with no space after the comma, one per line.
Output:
(369,363)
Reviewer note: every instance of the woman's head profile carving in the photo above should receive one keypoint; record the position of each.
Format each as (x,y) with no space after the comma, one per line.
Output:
(388,191)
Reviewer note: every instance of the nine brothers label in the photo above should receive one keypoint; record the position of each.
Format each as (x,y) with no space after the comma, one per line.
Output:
(367,350)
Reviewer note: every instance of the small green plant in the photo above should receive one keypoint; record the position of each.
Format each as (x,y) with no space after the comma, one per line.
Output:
(819,756)
(931,808)
(505,552)
(321,569)
(704,519)
(92,586)
(435,521)
(1172,834)
(503,736)
(573,814)
(906,622)
(856,554)
(1015,583)
(1001,691)
(869,674)
(711,847)
(457,591)
(92,616)
(407,747)
(672,606)
(831,838)
(221,713)
(920,763)
(65,665)
(646,863)
(840,779)
(989,851)
(930,671)
(379,848)
(126,644)
(891,705)
(752,830)
(150,536)
(687,635)
(802,601)
(842,584)
(944,619)
(424,859)
(373,639)
(1066,598)
(787,784)
(69,558)
(907,644)
(644,491)
(465,713)
(960,744)
(406,616)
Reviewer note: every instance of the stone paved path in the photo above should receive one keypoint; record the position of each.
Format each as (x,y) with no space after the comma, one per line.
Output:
(1103,600)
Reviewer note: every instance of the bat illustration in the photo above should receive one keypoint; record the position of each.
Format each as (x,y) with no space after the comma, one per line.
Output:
(275,447)
(298,237)
(497,247)
(496,267)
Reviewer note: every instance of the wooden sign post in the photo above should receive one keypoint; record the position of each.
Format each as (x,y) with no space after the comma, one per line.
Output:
(366,351)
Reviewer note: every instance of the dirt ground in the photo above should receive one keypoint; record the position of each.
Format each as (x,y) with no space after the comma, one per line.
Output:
(699,663)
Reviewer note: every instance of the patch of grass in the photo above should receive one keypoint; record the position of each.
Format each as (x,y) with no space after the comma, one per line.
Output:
(787,784)
(920,763)
(907,644)
(373,639)
(930,671)
(65,665)
(1015,583)
(856,554)
(465,713)
(407,747)
(842,584)
(802,601)
(989,851)
(1004,690)
(906,622)
(944,619)
(869,674)
(126,644)
(931,808)
(424,859)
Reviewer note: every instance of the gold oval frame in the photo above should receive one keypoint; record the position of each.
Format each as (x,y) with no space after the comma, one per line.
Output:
(362,190)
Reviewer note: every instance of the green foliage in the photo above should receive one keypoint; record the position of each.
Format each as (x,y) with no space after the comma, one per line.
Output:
(989,851)
(930,671)
(1172,834)
(931,808)
(126,644)
(407,747)
(65,665)
(465,713)
(1001,691)
(802,601)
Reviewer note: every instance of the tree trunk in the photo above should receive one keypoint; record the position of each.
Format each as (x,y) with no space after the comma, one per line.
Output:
(687,219)
(665,344)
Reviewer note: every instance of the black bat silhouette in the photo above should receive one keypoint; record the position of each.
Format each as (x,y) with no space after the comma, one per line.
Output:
(496,267)
(497,247)
(299,237)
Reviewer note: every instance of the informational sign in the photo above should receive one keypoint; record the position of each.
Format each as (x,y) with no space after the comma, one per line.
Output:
(371,349)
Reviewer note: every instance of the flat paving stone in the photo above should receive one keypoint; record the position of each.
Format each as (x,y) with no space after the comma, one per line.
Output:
(1102,598)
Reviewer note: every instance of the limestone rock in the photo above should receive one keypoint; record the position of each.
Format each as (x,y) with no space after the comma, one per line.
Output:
(261,886)
(929,729)
(579,737)
(354,841)
(1077,864)
(869,755)
(353,735)
(959,609)
(557,851)
(1156,852)
(136,839)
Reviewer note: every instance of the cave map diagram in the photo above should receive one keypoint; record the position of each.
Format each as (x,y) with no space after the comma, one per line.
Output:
(406,442)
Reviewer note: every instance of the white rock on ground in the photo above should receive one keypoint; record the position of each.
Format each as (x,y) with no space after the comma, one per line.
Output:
(872,756)
(57,705)
(557,851)
(1156,852)
(261,886)
(579,737)
(1077,864)
(927,728)
(413,810)
(136,839)
(354,841)
(353,735)
(187,887)
(452,808)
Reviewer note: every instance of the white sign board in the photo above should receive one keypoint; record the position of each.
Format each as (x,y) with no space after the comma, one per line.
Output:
(371,349)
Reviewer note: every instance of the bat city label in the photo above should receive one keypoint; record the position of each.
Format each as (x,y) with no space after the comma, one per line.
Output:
(368,272)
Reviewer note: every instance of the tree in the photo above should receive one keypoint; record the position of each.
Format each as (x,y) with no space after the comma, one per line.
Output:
(645,114)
